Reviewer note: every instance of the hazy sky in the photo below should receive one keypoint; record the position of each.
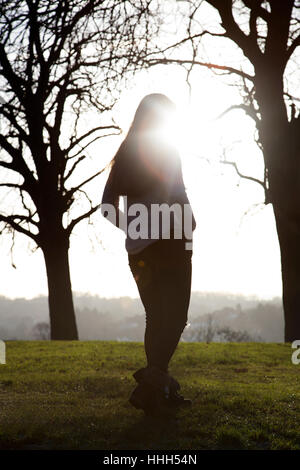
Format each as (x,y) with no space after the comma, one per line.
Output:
(235,242)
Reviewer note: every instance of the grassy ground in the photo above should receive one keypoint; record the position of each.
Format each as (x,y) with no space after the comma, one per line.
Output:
(74,395)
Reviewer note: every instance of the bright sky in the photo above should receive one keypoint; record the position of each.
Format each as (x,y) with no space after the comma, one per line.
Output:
(235,243)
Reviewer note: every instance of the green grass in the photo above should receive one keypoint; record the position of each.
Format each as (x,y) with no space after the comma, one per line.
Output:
(74,395)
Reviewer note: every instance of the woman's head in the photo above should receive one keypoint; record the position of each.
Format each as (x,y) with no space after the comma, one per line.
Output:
(153,113)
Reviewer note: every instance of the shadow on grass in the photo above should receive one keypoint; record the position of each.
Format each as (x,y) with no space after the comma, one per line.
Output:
(148,432)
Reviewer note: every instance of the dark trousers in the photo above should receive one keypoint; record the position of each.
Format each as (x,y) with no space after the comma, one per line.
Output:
(162,272)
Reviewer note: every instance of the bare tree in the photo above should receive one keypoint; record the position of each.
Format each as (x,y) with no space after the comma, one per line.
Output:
(41,331)
(267,33)
(211,331)
(59,59)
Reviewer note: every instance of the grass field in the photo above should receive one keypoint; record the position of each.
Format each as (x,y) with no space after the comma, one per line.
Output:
(74,395)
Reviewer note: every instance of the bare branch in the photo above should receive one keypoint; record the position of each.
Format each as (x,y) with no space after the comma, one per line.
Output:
(72,169)
(259,11)
(241,175)
(11,185)
(15,81)
(87,134)
(208,65)
(88,180)
(292,48)
(234,32)
(80,218)
(189,38)
(249,110)
(11,220)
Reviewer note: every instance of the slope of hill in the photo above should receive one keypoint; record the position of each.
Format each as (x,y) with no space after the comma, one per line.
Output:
(74,395)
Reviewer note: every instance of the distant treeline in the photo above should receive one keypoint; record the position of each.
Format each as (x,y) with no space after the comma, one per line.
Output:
(212,317)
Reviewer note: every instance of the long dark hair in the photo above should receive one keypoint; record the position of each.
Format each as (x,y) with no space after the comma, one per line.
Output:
(128,169)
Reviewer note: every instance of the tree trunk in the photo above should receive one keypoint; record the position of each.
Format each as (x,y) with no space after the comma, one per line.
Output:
(61,307)
(289,241)
(285,189)
(281,154)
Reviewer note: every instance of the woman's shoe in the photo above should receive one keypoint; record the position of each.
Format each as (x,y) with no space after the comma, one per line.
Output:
(177,400)
(157,376)
(142,398)
(152,392)
(150,400)
(171,398)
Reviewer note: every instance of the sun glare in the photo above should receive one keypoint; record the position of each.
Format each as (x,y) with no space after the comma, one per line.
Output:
(179,130)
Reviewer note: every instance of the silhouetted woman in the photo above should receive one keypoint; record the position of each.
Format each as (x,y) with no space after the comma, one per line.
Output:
(147,170)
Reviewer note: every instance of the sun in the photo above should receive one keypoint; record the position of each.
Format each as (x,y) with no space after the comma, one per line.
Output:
(189,131)
(177,129)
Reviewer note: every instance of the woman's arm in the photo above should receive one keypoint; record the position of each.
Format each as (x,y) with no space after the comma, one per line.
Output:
(110,199)
(179,191)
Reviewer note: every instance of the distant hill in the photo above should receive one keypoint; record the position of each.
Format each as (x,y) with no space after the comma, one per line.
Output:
(264,322)
(123,318)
